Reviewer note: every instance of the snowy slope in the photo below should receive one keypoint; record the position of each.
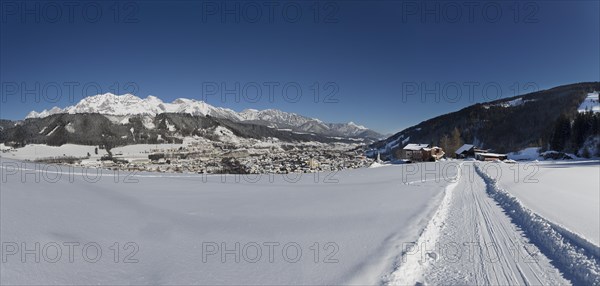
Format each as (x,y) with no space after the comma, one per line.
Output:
(590,103)
(277,117)
(359,223)
(280,119)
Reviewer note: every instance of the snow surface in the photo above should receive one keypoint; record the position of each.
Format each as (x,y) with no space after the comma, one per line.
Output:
(514,102)
(361,127)
(363,217)
(39,151)
(513,224)
(4,147)
(405,140)
(566,193)
(574,256)
(472,241)
(590,103)
(511,103)
(51,132)
(226,135)
(69,127)
(527,154)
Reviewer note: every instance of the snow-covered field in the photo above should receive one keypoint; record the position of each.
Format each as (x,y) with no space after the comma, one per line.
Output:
(566,193)
(38,151)
(183,229)
(395,224)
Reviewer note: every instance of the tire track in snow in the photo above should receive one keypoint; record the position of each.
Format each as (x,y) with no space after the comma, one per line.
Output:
(471,241)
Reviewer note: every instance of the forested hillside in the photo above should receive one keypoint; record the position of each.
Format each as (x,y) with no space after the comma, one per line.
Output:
(508,124)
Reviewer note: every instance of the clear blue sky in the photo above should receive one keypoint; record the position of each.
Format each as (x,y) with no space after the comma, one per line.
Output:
(371,52)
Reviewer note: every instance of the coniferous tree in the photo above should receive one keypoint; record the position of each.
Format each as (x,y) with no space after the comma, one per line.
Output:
(578,131)
(562,132)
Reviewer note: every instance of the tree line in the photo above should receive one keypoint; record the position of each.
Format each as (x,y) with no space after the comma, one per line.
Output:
(571,133)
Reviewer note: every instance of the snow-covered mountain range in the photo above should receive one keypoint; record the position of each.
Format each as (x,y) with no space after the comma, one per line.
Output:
(131,105)
(128,104)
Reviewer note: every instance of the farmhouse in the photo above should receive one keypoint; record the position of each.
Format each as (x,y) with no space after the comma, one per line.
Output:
(413,152)
(421,152)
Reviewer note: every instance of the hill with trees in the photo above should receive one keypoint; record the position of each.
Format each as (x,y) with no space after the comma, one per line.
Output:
(549,119)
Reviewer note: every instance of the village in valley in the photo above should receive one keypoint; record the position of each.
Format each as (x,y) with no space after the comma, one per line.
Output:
(253,157)
(201,156)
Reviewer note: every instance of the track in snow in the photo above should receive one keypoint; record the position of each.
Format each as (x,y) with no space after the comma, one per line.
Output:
(471,241)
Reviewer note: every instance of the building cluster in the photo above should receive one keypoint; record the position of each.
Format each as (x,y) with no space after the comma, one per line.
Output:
(414,152)
(472,151)
(421,153)
(224,158)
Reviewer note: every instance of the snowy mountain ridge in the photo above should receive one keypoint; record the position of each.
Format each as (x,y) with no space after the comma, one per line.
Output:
(275,116)
(130,105)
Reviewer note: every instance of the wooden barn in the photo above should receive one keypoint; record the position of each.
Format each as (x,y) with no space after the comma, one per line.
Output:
(468,151)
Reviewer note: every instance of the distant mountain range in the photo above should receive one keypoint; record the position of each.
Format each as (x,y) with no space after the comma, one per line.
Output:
(504,125)
(129,105)
(116,120)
